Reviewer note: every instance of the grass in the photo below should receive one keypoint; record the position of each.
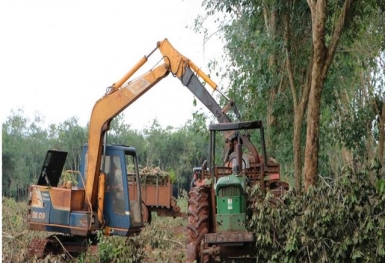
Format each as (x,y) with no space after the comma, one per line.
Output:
(15,233)
(162,241)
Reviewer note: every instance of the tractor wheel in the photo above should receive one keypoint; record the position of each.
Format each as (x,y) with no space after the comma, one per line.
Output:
(198,222)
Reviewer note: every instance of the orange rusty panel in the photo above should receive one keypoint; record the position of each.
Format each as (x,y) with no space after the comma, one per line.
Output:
(151,196)
(61,198)
(36,196)
(67,199)
(77,199)
(154,197)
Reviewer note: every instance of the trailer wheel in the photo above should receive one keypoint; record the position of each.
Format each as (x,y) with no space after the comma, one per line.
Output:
(198,222)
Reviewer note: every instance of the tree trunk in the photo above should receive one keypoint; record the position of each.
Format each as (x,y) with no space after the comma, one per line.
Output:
(382,135)
(299,107)
(270,18)
(297,151)
(322,58)
(318,14)
(312,132)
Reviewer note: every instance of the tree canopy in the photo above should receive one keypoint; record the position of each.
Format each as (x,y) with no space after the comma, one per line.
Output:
(302,66)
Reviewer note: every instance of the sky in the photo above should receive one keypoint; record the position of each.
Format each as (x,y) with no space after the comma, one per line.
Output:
(58,57)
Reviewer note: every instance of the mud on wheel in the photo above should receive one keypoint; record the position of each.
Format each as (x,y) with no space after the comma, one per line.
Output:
(198,221)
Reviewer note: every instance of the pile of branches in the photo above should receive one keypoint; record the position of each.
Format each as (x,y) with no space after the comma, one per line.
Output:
(154,176)
(338,220)
(149,170)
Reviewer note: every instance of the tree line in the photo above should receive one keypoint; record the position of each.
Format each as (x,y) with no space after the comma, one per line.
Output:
(25,142)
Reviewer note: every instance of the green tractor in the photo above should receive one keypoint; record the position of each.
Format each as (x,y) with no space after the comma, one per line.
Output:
(219,206)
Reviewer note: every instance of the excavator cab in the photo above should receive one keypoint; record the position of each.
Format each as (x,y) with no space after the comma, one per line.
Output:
(57,207)
(121,214)
(60,208)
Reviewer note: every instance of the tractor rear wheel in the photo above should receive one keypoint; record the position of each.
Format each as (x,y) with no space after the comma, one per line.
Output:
(198,222)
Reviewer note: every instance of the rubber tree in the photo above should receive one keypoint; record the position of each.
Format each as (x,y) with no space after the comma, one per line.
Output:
(303,40)
(322,58)
(268,44)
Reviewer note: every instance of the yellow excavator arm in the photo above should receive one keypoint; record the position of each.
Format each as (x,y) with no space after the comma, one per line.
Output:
(103,112)
(123,93)
(176,64)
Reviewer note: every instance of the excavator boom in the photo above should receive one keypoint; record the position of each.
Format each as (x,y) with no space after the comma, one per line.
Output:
(103,112)
(124,92)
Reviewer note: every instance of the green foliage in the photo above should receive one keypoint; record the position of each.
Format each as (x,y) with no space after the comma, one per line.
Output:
(69,176)
(71,137)
(176,150)
(121,133)
(381,187)
(254,64)
(338,220)
(162,241)
(119,249)
(172,175)
(259,39)
(25,143)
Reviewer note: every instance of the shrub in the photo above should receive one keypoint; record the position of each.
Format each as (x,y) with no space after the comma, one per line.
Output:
(337,221)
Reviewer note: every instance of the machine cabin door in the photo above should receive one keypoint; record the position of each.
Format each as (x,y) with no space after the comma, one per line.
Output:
(120,213)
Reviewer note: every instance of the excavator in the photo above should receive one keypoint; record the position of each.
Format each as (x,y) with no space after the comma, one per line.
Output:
(103,199)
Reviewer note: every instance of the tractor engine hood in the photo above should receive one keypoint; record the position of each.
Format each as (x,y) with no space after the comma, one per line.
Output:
(231,180)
